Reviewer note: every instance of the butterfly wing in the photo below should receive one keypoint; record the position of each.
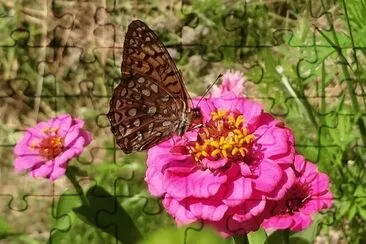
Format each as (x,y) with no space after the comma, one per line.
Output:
(147,105)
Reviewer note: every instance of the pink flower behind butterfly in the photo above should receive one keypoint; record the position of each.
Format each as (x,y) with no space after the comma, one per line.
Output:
(225,172)
(309,194)
(232,84)
(45,149)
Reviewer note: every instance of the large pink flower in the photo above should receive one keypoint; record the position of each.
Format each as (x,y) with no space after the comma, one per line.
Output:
(309,194)
(232,85)
(225,172)
(45,150)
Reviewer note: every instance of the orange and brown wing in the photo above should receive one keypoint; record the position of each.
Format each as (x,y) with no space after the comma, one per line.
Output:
(147,105)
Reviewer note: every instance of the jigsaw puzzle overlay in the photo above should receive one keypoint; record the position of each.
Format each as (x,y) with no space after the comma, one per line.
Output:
(303,61)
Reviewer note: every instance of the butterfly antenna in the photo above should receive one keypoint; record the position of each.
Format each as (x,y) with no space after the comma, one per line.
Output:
(209,88)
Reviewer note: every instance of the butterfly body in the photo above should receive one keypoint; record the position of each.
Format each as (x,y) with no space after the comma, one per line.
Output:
(151,103)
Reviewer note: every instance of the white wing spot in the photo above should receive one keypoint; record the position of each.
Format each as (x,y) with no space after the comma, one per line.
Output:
(166,123)
(123,92)
(154,88)
(122,129)
(137,97)
(165,98)
(117,116)
(152,110)
(146,92)
(132,112)
(165,111)
(119,103)
(136,122)
(131,84)
(147,39)
(139,136)
(141,80)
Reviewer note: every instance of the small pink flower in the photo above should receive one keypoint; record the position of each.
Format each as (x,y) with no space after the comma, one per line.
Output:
(45,150)
(225,172)
(309,194)
(232,84)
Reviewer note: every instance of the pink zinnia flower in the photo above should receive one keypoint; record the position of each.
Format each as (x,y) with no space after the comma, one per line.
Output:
(232,84)
(224,172)
(45,150)
(309,194)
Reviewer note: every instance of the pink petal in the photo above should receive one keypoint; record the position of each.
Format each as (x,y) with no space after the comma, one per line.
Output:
(316,204)
(245,170)
(207,163)
(286,182)
(196,183)
(250,208)
(208,212)
(42,170)
(78,122)
(229,226)
(87,136)
(66,156)
(240,190)
(269,176)
(277,146)
(311,170)
(63,123)
(312,206)
(252,111)
(71,135)
(23,145)
(77,145)
(154,180)
(38,130)
(320,184)
(159,160)
(299,163)
(27,162)
(181,213)
(278,222)
(58,171)
(301,222)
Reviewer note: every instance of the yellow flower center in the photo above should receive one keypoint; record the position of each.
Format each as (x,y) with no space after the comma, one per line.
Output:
(224,136)
(51,146)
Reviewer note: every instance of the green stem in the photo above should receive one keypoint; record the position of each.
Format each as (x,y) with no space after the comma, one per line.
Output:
(286,236)
(240,239)
(77,187)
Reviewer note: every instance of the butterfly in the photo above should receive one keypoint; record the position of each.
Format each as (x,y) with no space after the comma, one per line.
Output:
(151,102)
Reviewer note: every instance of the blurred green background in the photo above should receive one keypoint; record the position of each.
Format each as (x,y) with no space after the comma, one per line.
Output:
(304,60)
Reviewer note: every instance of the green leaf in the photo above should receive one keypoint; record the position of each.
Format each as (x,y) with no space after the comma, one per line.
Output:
(105,213)
(64,216)
(344,207)
(362,213)
(275,237)
(257,237)
(352,211)
(186,234)
(308,235)
(4,225)
(77,171)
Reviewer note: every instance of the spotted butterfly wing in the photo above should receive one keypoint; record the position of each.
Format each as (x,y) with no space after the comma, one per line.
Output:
(150,103)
